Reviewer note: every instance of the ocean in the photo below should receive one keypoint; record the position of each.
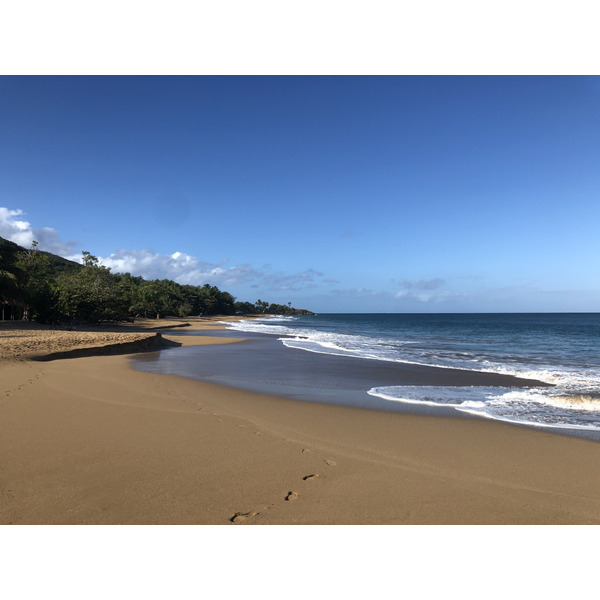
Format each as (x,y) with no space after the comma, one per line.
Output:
(561,351)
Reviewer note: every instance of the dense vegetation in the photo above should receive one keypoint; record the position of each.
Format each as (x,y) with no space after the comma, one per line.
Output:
(36,285)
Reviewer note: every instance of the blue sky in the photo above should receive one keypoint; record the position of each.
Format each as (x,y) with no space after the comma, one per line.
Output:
(339,194)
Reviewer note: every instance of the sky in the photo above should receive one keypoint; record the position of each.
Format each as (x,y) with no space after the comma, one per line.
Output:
(335,193)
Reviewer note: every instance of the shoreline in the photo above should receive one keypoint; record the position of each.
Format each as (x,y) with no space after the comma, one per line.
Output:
(264,366)
(91,440)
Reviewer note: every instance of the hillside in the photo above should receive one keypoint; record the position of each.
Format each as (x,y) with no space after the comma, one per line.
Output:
(56,265)
(41,286)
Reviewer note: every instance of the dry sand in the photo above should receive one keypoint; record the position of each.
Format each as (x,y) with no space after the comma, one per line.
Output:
(89,440)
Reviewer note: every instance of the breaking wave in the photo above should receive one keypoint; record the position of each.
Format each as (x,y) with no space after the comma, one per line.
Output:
(562,361)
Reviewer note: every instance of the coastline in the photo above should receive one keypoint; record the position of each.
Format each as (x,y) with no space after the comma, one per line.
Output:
(264,365)
(90,440)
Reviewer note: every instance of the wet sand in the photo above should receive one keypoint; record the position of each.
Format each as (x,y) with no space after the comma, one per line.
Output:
(264,365)
(89,440)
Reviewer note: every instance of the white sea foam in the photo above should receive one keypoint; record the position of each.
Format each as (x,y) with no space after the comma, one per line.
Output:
(539,407)
(573,402)
(448,397)
(274,325)
(321,342)
(404,351)
(321,346)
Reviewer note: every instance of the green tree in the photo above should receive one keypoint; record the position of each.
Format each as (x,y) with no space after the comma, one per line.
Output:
(147,300)
(260,306)
(244,308)
(91,294)
(10,288)
(40,285)
(35,297)
(8,279)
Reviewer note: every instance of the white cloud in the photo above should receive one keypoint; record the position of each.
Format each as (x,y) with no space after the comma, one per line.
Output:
(17,230)
(187,269)
(360,291)
(294,282)
(14,229)
(422,290)
(178,266)
(419,296)
(420,284)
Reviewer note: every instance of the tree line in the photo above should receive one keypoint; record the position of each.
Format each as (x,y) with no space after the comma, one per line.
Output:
(40,286)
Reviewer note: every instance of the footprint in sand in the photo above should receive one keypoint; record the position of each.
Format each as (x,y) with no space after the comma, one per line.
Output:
(330,463)
(240,517)
(305,451)
(291,496)
(309,477)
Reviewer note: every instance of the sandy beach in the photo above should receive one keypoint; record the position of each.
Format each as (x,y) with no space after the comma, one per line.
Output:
(86,439)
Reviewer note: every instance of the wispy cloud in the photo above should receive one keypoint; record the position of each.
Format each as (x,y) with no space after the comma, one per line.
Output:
(296,281)
(188,269)
(179,266)
(14,228)
(420,284)
(422,296)
(357,291)
(422,290)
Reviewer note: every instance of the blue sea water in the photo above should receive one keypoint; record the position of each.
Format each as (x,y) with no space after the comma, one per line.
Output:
(561,349)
